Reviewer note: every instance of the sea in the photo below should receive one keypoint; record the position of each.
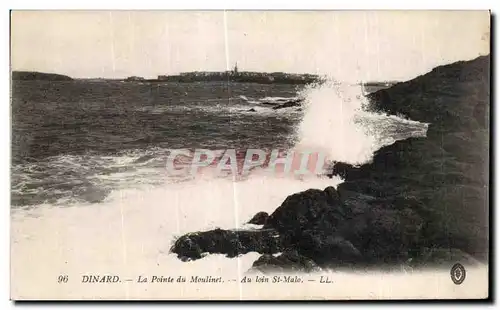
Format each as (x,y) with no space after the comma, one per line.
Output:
(90,193)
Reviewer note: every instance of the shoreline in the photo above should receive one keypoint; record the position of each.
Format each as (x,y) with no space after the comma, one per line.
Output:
(381,200)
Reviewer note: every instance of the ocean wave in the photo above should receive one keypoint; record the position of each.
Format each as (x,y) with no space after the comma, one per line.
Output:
(126,212)
(255,107)
(336,121)
(333,121)
(69,179)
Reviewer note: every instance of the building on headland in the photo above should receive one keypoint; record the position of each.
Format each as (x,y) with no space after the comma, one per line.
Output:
(235,75)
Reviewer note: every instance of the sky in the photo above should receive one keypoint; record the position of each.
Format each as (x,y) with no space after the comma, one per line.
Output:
(346,45)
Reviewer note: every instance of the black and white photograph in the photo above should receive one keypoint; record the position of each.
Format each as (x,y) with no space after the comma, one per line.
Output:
(249,154)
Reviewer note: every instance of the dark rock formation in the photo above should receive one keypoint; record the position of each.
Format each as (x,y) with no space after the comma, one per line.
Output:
(289,104)
(301,210)
(259,219)
(329,227)
(135,79)
(421,201)
(229,242)
(446,174)
(252,110)
(290,260)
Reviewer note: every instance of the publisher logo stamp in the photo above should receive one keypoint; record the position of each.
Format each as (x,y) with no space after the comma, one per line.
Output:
(457,273)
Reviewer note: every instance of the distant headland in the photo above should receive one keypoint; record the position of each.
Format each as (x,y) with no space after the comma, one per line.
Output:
(233,76)
(196,76)
(244,77)
(30,75)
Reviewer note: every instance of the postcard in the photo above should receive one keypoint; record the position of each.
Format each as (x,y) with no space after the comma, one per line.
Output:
(250,155)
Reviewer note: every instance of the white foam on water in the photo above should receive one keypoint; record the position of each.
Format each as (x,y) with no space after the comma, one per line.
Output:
(131,231)
(329,123)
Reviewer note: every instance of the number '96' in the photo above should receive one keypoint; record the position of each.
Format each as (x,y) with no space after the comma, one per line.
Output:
(62,279)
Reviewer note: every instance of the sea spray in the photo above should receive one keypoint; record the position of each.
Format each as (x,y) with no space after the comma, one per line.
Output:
(333,124)
(336,127)
(131,232)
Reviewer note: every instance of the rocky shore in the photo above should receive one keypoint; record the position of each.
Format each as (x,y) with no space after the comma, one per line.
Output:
(421,202)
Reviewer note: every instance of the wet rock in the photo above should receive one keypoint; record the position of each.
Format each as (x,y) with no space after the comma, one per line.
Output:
(230,242)
(289,104)
(188,247)
(332,196)
(305,209)
(341,169)
(327,248)
(252,110)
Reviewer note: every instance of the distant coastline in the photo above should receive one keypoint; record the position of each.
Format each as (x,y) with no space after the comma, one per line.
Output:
(245,77)
(31,75)
(196,76)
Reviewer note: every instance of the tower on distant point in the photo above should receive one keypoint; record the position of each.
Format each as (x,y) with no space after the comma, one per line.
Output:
(235,70)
